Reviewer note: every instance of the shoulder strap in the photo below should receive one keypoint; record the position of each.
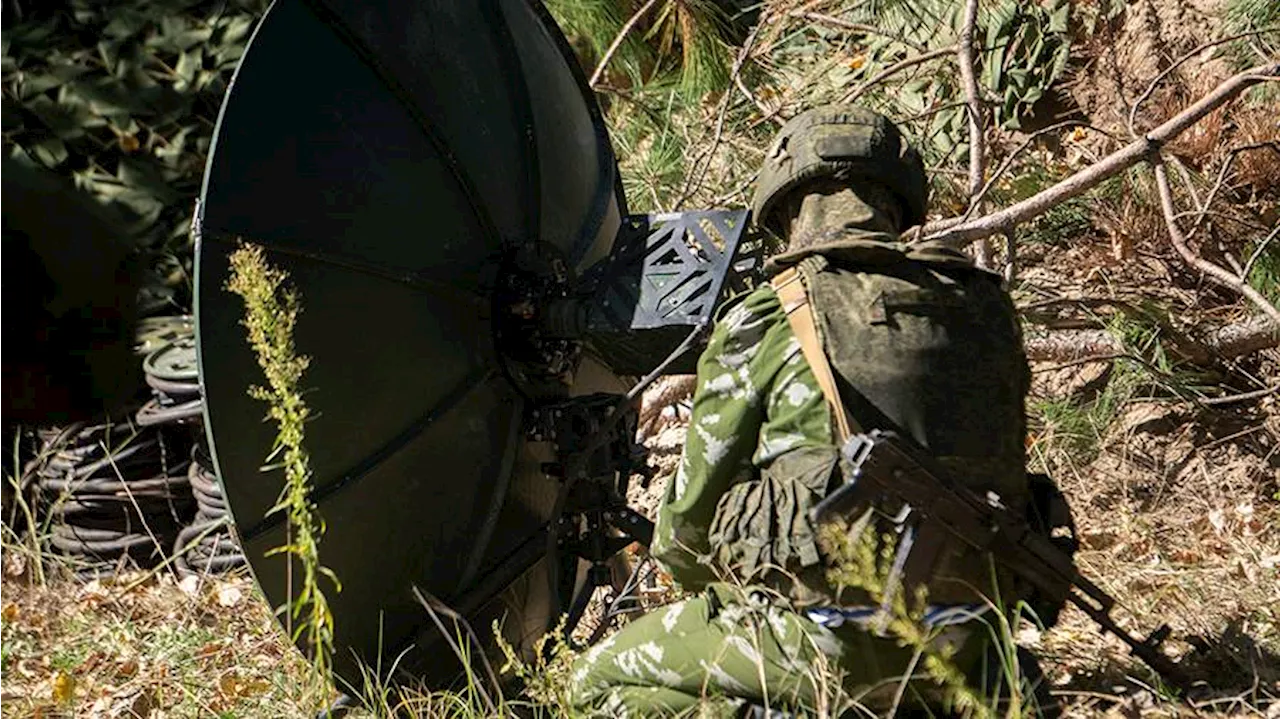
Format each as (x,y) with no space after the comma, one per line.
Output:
(794,296)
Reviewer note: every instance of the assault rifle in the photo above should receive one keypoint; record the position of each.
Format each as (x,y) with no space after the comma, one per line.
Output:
(895,476)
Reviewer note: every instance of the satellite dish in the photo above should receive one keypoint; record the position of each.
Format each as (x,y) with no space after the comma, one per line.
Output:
(437,180)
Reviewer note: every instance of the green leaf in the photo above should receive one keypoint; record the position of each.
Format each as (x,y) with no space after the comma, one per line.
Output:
(187,66)
(108,95)
(50,152)
(1058,19)
(174,147)
(33,84)
(236,31)
(1061,55)
(227,56)
(10,117)
(31,35)
(109,53)
(182,41)
(125,24)
(65,121)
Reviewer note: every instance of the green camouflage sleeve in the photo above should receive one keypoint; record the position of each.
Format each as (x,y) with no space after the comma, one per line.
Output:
(755,399)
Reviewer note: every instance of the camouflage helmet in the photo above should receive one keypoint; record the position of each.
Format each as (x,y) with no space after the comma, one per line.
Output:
(844,142)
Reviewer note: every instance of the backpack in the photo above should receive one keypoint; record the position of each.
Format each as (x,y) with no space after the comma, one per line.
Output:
(909,338)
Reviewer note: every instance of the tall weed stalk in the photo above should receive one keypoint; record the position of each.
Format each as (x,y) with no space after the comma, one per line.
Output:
(271,312)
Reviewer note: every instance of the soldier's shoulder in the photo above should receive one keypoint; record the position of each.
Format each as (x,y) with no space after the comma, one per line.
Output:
(748,322)
(761,300)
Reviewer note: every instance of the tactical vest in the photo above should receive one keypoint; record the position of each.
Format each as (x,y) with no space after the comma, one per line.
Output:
(917,340)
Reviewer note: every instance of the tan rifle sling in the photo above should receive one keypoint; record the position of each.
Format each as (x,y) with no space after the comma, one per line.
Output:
(794,296)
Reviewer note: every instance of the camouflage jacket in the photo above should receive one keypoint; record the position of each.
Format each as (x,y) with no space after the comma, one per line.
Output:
(756,399)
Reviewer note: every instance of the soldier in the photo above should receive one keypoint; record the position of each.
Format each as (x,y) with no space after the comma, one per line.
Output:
(839,184)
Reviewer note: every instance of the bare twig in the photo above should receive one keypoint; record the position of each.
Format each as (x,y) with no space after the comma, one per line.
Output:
(1011,261)
(617,42)
(1133,111)
(1257,252)
(856,27)
(969,81)
(931,112)
(694,179)
(765,113)
(959,234)
(1242,397)
(895,69)
(1213,272)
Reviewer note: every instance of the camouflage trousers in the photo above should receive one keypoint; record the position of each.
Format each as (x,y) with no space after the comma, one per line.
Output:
(729,647)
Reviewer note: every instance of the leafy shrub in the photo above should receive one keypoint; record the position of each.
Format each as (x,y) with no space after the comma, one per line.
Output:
(123,97)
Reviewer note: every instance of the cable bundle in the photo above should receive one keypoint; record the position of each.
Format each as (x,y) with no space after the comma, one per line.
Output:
(205,545)
(112,493)
(174,379)
(209,544)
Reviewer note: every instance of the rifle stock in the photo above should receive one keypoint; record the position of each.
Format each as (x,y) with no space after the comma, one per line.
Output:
(893,474)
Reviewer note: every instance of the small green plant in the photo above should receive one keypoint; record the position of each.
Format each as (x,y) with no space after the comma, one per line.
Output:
(68,660)
(547,678)
(271,312)
(1264,273)
(862,560)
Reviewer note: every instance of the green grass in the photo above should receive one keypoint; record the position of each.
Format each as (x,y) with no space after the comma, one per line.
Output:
(652,153)
(1264,274)
(1241,16)
(1076,427)
(682,40)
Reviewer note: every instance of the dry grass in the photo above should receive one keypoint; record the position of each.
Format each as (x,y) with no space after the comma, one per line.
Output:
(162,649)
(1178,520)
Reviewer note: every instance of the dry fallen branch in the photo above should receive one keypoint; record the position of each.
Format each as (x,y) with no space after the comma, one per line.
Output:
(1008,161)
(1242,397)
(1216,274)
(958,233)
(1233,340)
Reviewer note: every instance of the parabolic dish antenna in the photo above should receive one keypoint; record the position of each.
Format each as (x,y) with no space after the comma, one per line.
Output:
(437,181)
